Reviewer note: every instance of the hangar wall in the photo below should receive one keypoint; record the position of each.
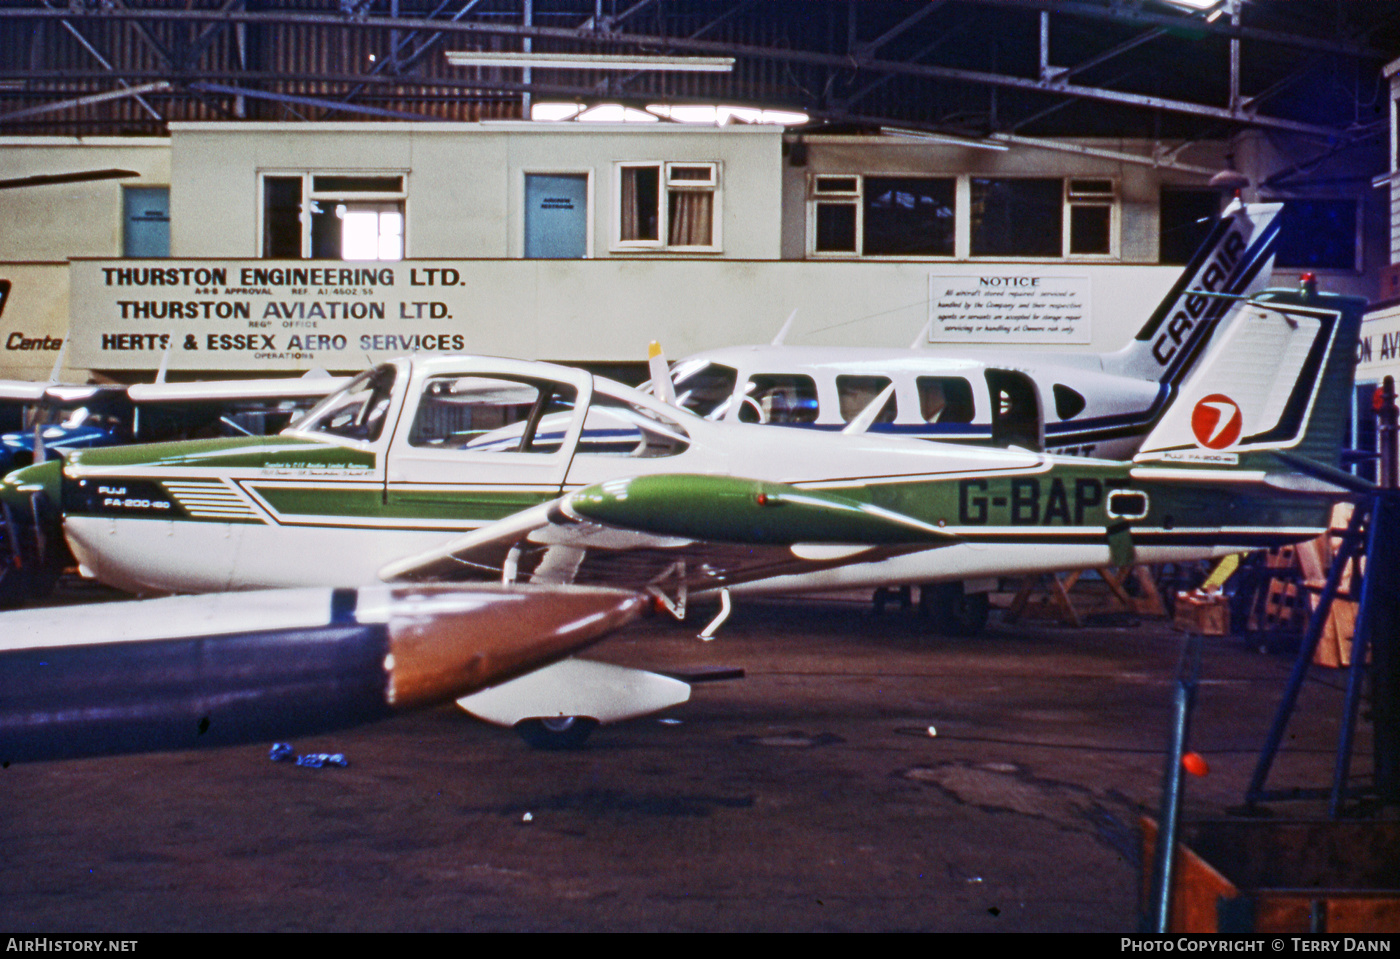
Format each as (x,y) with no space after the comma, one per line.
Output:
(56,221)
(279,316)
(461,193)
(465,182)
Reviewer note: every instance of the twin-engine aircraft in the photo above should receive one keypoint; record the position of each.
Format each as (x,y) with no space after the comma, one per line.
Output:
(478,469)
(1085,404)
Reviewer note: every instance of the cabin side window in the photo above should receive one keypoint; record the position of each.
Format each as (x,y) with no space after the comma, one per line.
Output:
(783,399)
(945,399)
(855,393)
(488,414)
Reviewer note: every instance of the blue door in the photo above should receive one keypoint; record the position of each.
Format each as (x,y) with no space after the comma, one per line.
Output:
(556,216)
(145,222)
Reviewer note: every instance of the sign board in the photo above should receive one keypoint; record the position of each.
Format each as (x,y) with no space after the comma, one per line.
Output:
(1378,351)
(259,314)
(1008,308)
(280,316)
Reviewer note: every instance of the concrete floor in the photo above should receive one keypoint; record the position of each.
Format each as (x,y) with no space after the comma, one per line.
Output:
(808,796)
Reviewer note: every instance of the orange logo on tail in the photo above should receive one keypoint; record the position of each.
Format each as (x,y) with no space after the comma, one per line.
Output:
(1216,421)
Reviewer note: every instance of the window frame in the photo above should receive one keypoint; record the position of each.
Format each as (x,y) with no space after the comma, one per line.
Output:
(817,198)
(1089,199)
(310,194)
(666,185)
(1071,198)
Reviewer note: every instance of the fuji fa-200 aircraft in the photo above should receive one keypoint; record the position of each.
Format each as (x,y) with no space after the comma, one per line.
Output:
(1086,404)
(468,468)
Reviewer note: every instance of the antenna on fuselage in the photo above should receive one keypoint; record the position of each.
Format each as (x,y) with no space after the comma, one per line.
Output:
(925,333)
(782,334)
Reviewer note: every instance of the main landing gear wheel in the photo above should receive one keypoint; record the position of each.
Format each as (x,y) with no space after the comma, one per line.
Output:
(953,612)
(556,732)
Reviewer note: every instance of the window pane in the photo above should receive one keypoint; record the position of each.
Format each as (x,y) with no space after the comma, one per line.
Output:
(1091,188)
(857,392)
(641,195)
(356,231)
(909,216)
(1016,217)
(1089,229)
(357,184)
(691,218)
(360,235)
(836,228)
(779,399)
(700,174)
(836,184)
(490,415)
(945,399)
(1185,220)
(391,236)
(325,229)
(282,217)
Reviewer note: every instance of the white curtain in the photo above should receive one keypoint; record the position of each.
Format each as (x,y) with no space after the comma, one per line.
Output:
(692,218)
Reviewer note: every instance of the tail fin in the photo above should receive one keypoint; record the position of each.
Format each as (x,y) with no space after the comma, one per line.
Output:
(1236,259)
(1279,381)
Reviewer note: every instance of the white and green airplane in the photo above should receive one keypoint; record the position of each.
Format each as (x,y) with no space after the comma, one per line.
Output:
(471,468)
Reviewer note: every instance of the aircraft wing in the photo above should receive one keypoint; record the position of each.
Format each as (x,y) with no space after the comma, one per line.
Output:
(672,530)
(214,390)
(22,391)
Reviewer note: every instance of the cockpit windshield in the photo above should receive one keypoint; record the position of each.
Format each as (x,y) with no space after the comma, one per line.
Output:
(358,410)
(704,388)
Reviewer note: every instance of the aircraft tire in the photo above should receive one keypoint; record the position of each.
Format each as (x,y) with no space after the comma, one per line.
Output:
(556,732)
(953,612)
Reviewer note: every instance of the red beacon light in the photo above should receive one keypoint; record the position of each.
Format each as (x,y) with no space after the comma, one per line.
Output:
(1307,284)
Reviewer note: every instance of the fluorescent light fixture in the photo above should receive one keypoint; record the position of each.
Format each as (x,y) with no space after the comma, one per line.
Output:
(1194,4)
(698,114)
(615,113)
(719,114)
(554,112)
(590,61)
(943,138)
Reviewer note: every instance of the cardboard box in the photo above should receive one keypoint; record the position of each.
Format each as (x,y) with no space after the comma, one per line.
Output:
(1204,613)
